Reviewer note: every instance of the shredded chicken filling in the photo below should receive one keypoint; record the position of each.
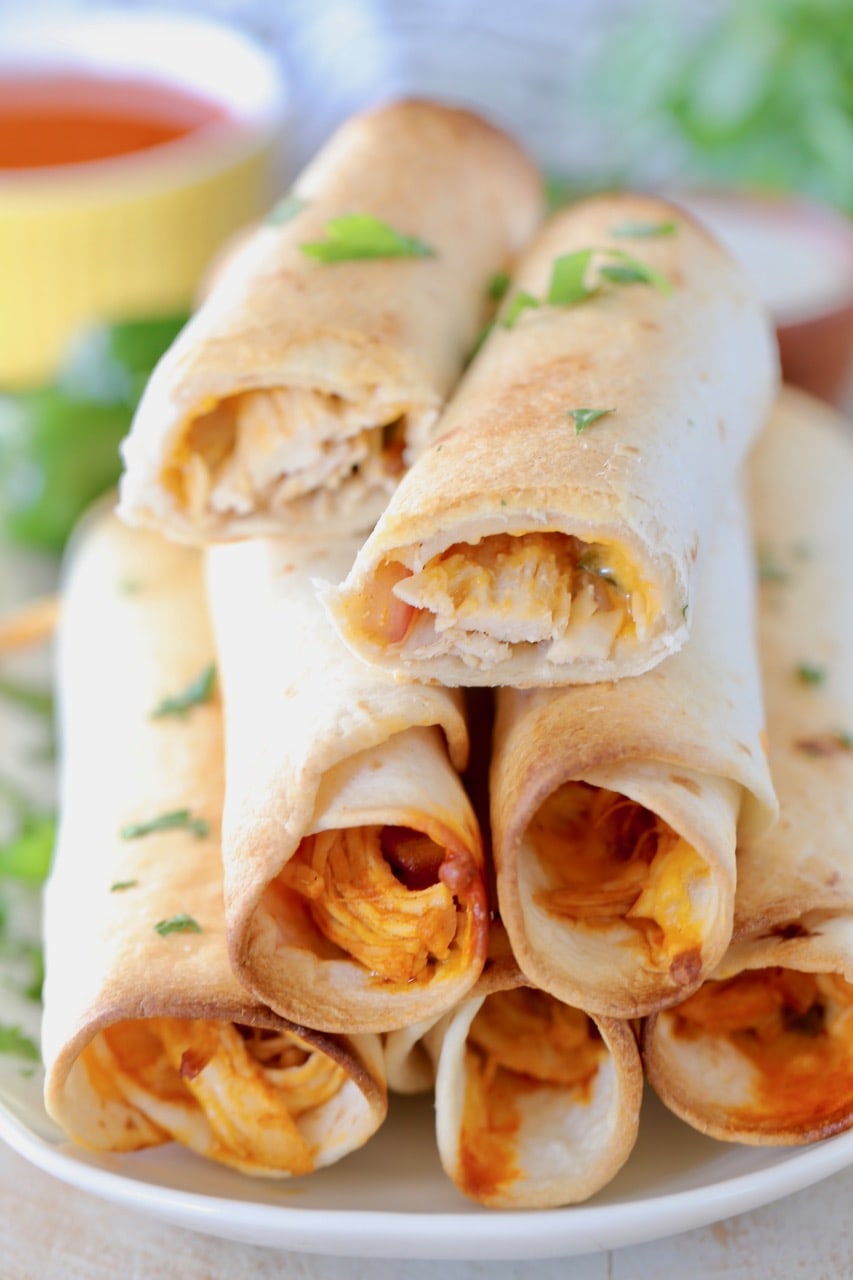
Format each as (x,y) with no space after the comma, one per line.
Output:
(384,895)
(519,1041)
(230,1092)
(262,450)
(795,1028)
(479,600)
(607,858)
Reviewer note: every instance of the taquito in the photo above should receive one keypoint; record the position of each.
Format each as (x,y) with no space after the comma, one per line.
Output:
(537,1103)
(763,1053)
(354,878)
(148,1037)
(550,534)
(324,352)
(615,807)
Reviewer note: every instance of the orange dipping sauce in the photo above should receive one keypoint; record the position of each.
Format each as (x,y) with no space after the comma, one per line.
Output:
(51,120)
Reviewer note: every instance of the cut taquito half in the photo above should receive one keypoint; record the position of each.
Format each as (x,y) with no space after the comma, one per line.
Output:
(763,1053)
(148,1037)
(537,1103)
(324,352)
(615,807)
(354,877)
(551,532)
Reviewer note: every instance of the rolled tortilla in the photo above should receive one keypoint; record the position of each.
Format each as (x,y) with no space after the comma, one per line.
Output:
(148,1037)
(615,808)
(354,878)
(291,400)
(763,1053)
(537,1103)
(526,548)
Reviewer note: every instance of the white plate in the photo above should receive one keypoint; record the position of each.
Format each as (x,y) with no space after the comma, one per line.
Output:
(392,1199)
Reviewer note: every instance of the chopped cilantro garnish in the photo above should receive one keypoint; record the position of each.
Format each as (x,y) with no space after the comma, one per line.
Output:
(521,301)
(285,210)
(568,279)
(628,270)
(481,338)
(181,923)
(498,285)
(585,417)
(359,235)
(809,673)
(118,886)
(643,230)
(174,820)
(13,1040)
(196,692)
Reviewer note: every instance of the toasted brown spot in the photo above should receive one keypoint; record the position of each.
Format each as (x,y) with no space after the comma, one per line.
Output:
(694,550)
(786,931)
(741,746)
(650,325)
(689,784)
(686,968)
(721,427)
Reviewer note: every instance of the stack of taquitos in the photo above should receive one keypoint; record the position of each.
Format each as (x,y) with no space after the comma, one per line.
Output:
(148,1036)
(763,1053)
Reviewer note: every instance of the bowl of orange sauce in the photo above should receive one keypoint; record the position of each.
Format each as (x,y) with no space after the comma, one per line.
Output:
(132,145)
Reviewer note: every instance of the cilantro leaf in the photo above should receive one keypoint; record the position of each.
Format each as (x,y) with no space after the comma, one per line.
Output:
(522,301)
(585,417)
(641,230)
(568,279)
(809,673)
(118,886)
(180,923)
(498,285)
(628,270)
(359,235)
(175,819)
(197,692)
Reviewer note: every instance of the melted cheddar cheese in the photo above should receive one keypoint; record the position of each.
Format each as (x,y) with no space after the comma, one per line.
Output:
(606,858)
(520,1042)
(478,600)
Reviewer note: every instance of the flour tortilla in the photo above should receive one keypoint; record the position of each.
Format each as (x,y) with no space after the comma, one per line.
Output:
(267,415)
(570,1140)
(794,903)
(484,537)
(318,743)
(683,742)
(134,631)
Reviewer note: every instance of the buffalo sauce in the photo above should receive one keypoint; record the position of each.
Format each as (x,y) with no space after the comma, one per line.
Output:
(779,1020)
(48,120)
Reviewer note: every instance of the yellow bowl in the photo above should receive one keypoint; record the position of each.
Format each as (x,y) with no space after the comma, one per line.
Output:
(131,235)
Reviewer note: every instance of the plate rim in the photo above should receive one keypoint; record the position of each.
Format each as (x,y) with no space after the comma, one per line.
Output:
(479,1235)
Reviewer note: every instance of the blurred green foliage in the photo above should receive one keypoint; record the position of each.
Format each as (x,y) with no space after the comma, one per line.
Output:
(758,94)
(59,443)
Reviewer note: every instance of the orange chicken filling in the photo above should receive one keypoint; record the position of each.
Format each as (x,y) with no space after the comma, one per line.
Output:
(387,896)
(231,1092)
(608,858)
(519,1042)
(795,1028)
